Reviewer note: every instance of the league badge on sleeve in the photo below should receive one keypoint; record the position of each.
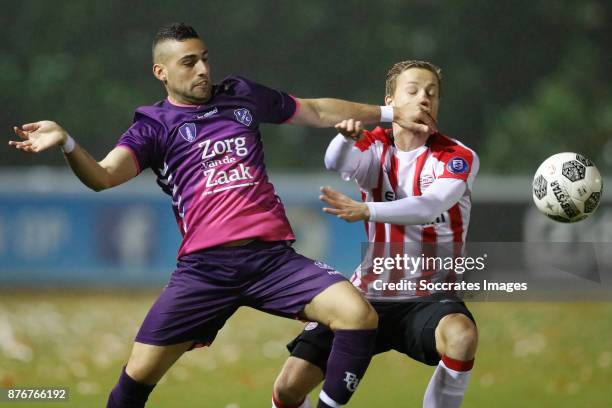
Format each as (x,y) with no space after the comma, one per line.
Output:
(458,165)
(188,131)
(243,115)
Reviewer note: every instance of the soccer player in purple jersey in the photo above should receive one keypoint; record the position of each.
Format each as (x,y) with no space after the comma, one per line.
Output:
(204,145)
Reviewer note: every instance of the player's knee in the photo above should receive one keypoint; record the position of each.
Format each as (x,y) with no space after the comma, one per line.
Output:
(297,378)
(140,371)
(370,317)
(359,315)
(147,364)
(460,336)
(341,306)
(286,389)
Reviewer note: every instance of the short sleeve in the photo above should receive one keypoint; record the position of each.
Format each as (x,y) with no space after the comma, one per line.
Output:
(272,106)
(141,140)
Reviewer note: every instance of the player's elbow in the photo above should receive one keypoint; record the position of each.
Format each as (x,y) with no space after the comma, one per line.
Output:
(97,187)
(318,120)
(331,163)
(308,114)
(99,184)
(430,217)
(430,214)
(317,113)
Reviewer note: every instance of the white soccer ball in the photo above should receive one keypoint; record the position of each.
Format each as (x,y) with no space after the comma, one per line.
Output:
(567,187)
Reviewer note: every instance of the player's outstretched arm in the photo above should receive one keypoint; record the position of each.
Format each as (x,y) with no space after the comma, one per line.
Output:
(116,168)
(326,112)
(441,195)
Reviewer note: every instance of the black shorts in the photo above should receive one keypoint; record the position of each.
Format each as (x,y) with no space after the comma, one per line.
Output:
(407,327)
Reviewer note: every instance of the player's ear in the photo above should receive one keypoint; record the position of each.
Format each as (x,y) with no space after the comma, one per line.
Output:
(388,100)
(159,71)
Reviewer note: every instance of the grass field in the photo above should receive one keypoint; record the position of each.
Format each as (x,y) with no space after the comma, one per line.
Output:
(530,355)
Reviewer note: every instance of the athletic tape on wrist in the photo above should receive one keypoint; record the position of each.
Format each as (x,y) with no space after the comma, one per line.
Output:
(69,145)
(386,114)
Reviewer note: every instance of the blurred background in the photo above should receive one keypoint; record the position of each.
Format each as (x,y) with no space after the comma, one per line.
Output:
(78,270)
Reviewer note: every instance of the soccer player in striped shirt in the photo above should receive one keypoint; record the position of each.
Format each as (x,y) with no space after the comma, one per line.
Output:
(416,193)
(204,145)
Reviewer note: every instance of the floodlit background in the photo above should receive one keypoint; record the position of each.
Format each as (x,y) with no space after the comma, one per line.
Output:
(78,270)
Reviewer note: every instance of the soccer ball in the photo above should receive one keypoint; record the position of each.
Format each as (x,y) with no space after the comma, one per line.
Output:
(567,187)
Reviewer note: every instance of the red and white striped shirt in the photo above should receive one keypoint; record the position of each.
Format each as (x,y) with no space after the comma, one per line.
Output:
(385,175)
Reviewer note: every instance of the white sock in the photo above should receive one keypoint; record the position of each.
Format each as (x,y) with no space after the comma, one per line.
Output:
(448,383)
(305,404)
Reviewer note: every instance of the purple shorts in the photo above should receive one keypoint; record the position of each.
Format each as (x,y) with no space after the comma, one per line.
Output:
(208,286)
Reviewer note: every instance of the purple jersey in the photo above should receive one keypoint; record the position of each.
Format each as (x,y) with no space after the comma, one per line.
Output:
(210,160)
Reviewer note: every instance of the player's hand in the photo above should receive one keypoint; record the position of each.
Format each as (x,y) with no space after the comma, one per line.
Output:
(39,136)
(350,128)
(416,118)
(343,206)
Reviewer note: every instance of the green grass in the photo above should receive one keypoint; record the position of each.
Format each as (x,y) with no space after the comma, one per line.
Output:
(530,355)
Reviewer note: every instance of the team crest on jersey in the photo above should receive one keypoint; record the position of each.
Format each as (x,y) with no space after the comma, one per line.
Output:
(188,131)
(458,165)
(243,115)
(425,181)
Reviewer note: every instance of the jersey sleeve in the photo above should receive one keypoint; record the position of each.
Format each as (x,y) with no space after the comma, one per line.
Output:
(273,106)
(460,163)
(374,146)
(441,195)
(141,140)
(344,157)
